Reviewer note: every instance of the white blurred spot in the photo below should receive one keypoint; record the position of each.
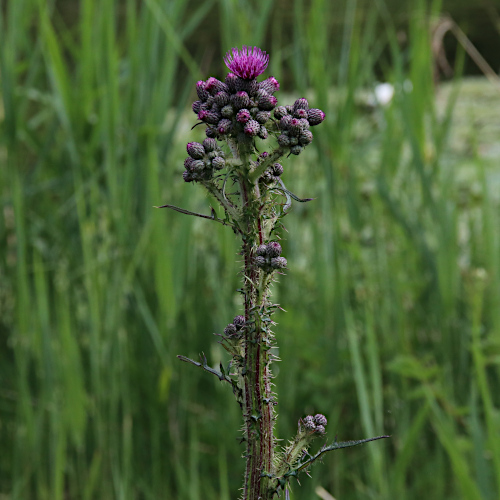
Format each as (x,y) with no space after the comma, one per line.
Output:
(323,494)
(384,92)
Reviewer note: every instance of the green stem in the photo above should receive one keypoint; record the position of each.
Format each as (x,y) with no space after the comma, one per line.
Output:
(257,395)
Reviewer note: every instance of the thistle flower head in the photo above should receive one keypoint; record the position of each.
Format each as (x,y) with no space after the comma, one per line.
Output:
(247,63)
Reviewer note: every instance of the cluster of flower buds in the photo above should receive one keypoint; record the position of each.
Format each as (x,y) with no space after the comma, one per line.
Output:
(203,160)
(315,424)
(240,104)
(235,106)
(268,257)
(294,122)
(273,173)
(234,328)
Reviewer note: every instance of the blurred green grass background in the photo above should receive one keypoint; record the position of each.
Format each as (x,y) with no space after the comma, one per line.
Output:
(393,288)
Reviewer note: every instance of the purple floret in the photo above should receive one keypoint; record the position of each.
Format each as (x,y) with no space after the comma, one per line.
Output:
(248,62)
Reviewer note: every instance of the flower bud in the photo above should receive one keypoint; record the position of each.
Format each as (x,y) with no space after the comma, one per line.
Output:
(230,330)
(278,263)
(280,112)
(239,321)
(218,163)
(200,90)
(294,126)
(294,141)
(285,122)
(196,106)
(263,132)
(227,111)
(209,117)
(283,140)
(296,150)
(224,126)
(260,261)
(267,177)
(187,176)
(231,82)
(262,116)
(214,86)
(274,249)
(196,166)
(309,423)
(211,132)
(243,116)
(277,169)
(240,100)
(320,419)
(304,124)
(267,102)
(261,250)
(222,99)
(315,116)
(252,86)
(188,162)
(209,145)
(305,138)
(195,150)
(301,104)
(300,113)
(252,128)
(270,85)
(320,429)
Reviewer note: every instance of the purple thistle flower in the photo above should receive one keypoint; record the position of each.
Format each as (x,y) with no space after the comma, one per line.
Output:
(247,63)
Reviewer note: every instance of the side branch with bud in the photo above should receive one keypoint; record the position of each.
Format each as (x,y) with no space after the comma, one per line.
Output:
(248,186)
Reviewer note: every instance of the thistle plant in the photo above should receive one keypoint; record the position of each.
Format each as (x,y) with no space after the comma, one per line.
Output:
(239,164)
